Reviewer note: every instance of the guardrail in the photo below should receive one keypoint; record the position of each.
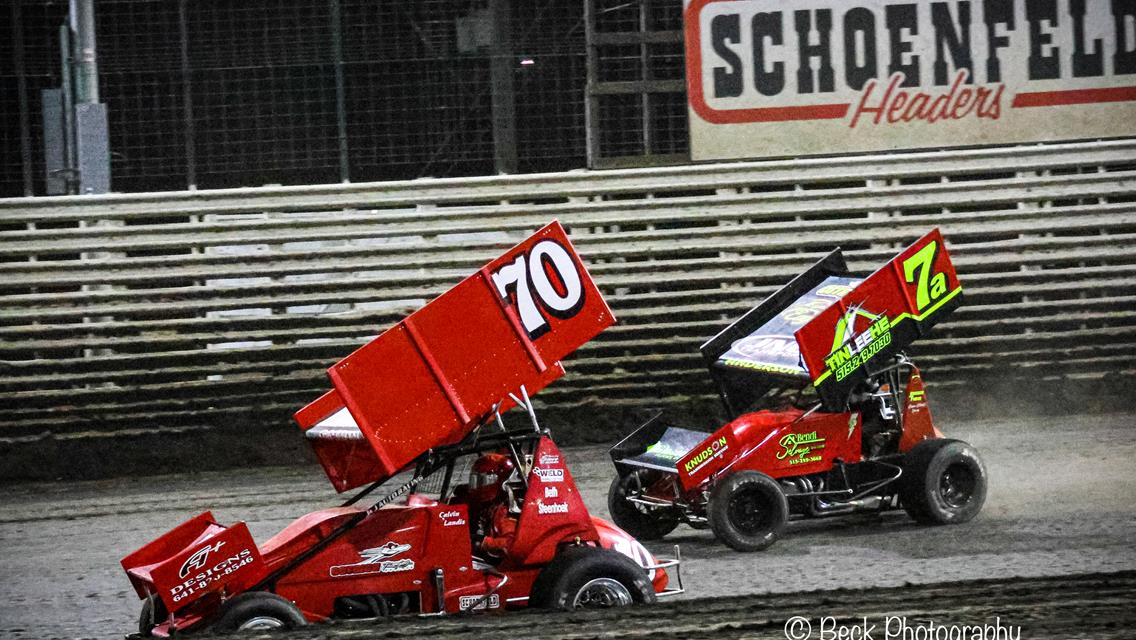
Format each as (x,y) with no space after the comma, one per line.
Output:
(223,308)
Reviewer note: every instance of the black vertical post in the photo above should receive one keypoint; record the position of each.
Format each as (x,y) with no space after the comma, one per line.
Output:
(501,66)
(591,101)
(340,89)
(22,96)
(67,75)
(187,100)
(645,74)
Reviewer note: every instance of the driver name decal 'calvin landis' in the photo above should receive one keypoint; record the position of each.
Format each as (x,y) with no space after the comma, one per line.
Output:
(797,447)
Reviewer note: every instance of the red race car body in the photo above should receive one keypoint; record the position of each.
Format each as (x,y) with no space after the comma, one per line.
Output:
(418,403)
(829,416)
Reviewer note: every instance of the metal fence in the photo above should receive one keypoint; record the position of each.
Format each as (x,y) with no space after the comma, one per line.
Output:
(212,94)
(222,309)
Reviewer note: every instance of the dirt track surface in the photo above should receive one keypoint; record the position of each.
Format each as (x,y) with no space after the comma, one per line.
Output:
(1093,605)
(1062,502)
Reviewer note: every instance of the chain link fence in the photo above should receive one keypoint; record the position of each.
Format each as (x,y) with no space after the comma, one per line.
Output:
(212,94)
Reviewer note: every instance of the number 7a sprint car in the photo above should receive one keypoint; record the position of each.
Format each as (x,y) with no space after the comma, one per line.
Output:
(828,416)
(418,403)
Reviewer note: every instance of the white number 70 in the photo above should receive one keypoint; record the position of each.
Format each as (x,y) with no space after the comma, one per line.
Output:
(529,274)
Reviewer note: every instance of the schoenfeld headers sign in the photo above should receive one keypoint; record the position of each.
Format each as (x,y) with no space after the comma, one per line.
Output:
(774,78)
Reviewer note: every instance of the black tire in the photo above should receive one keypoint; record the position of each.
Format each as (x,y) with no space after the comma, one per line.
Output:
(748,511)
(644,523)
(943,482)
(258,610)
(153,613)
(577,575)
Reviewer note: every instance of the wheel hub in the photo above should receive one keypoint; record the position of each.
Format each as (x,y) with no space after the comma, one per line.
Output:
(602,593)
(749,511)
(956,485)
(260,623)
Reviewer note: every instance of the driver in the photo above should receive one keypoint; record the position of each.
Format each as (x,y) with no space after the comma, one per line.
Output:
(493,509)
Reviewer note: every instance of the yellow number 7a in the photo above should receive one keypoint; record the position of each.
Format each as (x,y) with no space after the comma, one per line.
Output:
(928,288)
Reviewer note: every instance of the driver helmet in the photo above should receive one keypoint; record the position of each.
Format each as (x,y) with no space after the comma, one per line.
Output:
(486,476)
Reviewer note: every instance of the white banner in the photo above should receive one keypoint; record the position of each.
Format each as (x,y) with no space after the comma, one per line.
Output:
(773,78)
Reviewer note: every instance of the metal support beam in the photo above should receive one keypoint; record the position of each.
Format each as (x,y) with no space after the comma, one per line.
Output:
(340,89)
(55,171)
(83,24)
(187,100)
(67,75)
(591,101)
(92,148)
(501,66)
(22,97)
(92,134)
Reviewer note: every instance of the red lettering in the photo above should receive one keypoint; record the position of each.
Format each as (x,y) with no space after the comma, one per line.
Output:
(963,105)
(914,110)
(956,103)
(894,111)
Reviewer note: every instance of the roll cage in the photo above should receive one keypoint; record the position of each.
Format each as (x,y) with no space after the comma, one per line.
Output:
(520,442)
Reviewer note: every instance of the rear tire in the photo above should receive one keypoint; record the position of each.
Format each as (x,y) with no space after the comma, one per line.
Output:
(642,522)
(591,577)
(153,613)
(748,511)
(258,610)
(943,482)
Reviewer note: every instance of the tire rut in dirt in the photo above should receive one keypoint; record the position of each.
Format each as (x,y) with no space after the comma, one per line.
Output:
(1088,606)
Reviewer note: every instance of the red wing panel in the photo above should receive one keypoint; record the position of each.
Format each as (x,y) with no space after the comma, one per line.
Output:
(891,309)
(433,377)
(195,558)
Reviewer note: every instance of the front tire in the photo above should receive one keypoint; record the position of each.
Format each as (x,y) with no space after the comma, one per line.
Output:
(591,578)
(258,610)
(748,511)
(642,522)
(943,482)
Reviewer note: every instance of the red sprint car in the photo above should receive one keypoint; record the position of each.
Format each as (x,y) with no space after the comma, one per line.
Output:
(828,415)
(415,409)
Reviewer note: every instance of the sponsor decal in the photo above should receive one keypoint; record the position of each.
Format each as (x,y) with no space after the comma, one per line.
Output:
(666,451)
(549,475)
(917,396)
(801,311)
(861,347)
(713,450)
(451,518)
(220,570)
(825,76)
(396,566)
(798,448)
(761,366)
(199,558)
(551,492)
(551,507)
(851,425)
(478,603)
(771,347)
(548,458)
(374,560)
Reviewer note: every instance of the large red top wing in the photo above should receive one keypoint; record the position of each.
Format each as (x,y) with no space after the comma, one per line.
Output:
(891,309)
(430,379)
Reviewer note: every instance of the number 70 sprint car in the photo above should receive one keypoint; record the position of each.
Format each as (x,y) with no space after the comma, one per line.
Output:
(829,416)
(421,402)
